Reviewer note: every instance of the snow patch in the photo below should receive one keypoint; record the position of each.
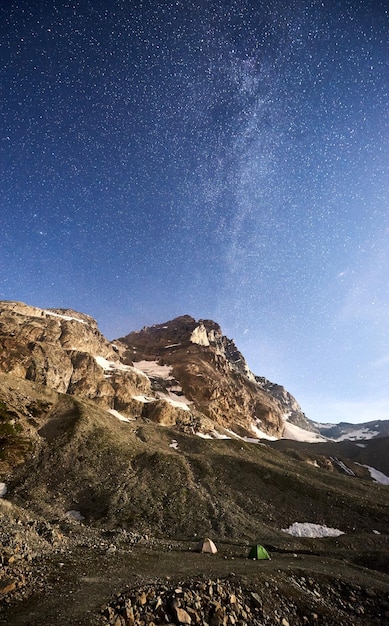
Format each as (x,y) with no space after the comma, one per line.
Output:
(246,439)
(379,477)
(116,366)
(120,417)
(250,439)
(228,434)
(214,434)
(179,402)
(306,529)
(111,366)
(361,433)
(295,433)
(262,435)
(217,435)
(173,444)
(64,317)
(154,370)
(342,466)
(144,399)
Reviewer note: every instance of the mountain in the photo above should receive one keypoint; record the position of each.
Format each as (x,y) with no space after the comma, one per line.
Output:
(208,369)
(183,372)
(354,432)
(115,457)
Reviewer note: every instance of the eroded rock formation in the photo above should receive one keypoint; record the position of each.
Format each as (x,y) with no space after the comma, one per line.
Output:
(183,372)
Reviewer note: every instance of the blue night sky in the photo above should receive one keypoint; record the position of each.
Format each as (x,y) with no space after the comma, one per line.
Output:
(223,159)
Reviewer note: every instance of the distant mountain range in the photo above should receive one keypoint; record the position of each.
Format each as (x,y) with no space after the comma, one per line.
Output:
(354,432)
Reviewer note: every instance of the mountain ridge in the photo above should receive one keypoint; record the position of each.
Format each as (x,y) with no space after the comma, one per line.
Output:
(61,348)
(206,384)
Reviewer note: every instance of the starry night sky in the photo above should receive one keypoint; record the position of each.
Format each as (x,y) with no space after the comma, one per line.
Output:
(223,159)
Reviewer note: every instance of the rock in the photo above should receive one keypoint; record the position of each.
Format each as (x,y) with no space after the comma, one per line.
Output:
(7,585)
(57,348)
(182,616)
(257,599)
(194,615)
(142,599)
(218,618)
(129,616)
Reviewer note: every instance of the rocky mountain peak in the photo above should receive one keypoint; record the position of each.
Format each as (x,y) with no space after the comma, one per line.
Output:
(183,371)
(154,341)
(211,372)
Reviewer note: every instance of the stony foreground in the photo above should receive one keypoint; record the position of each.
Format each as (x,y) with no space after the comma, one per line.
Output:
(299,600)
(88,577)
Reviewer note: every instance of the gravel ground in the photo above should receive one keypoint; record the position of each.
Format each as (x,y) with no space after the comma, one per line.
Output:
(76,575)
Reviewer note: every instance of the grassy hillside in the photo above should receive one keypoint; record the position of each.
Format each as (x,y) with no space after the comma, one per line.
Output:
(128,475)
(147,493)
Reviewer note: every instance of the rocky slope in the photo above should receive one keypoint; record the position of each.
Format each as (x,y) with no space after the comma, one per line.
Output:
(61,453)
(95,505)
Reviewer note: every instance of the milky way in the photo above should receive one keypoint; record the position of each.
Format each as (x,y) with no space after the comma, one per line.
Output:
(222,159)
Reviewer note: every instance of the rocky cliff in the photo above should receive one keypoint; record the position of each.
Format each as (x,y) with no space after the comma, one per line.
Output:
(291,408)
(65,351)
(210,372)
(184,372)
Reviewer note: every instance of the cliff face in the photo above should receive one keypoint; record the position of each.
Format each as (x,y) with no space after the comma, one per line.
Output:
(211,371)
(65,351)
(184,372)
(291,408)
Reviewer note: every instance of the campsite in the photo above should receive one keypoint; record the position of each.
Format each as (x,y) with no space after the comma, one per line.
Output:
(305,575)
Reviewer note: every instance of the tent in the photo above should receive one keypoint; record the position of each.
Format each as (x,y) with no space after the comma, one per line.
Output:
(258,552)
(207,545)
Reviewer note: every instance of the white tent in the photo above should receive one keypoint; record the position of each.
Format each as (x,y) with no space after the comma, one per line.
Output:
(207,545)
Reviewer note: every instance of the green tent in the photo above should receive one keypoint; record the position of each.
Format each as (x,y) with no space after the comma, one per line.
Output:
(258,552)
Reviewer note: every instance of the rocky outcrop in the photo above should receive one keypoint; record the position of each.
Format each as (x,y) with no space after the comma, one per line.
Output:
(211,371)
(65,351)
(292,410)
(164,413)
